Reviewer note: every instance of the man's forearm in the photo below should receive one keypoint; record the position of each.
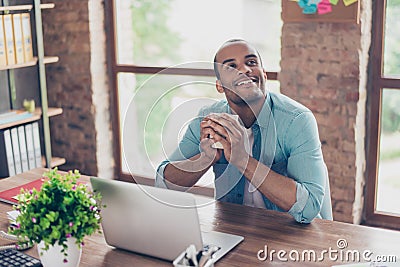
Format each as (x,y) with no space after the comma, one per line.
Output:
(280,189)
(186,173)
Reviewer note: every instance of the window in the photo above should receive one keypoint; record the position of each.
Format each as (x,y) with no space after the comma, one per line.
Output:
(162,54)
(383,184)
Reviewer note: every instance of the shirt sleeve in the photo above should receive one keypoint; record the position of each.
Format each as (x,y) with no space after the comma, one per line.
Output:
(306,166)
(188,147)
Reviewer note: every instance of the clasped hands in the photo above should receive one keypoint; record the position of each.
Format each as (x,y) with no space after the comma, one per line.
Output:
(230,133)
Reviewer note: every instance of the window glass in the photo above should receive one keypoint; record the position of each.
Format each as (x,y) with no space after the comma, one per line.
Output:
(166,33)
(391,57)
(155,111)
(388,186)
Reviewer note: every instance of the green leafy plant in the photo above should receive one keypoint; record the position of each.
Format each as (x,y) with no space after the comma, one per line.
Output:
(63,208)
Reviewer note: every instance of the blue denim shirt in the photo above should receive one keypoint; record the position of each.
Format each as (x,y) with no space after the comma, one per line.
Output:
(290,146)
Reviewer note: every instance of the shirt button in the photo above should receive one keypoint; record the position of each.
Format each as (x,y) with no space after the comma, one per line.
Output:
(239,195)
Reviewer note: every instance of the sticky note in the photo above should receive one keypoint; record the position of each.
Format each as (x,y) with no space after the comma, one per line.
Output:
(334,2)
(302,3)
(349,2)
(311,9)
(324,7)
(313,2)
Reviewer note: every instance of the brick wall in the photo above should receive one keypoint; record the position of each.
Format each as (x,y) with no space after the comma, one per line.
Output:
(67,34)
(323,66)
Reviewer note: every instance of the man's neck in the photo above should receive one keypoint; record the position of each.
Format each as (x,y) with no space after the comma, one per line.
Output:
(248,112)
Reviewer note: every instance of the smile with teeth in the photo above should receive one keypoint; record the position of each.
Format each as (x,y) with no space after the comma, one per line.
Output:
(246,82)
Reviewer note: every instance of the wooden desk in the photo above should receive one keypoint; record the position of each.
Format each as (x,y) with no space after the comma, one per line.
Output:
(276,230)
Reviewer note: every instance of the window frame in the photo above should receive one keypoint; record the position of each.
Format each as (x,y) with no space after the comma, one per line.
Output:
(378,82)
(114,69)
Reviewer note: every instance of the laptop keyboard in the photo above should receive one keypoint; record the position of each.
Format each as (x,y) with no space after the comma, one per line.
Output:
(12,257)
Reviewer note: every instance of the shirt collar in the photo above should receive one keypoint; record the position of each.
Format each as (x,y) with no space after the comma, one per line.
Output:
(265,114)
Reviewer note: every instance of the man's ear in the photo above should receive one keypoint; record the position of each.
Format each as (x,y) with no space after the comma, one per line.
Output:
(219,87)
(265,75)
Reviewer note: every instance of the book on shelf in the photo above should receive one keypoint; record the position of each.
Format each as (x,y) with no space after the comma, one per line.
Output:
(6,155)
(13,116)
(3,56)
(22,148)
(30,148)
(18,41)
(15,146)
(36,144)
(9,39)
(27,36)
(8,113)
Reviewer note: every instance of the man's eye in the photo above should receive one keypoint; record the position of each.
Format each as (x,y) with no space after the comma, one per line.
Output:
(252,62)
(231,66)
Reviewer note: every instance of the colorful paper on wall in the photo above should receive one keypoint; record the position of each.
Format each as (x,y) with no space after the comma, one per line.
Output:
(310,9)
(302,3)
(334,2)
(324,7)
(349,2)
(308,6)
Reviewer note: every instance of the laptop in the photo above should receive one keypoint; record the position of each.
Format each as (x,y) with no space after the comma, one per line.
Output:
(153,221)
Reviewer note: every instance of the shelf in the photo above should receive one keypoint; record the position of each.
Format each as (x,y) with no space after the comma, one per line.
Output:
(46,60)
(36,116)
(26,7)
(55,161)
(49,60)
(47,6)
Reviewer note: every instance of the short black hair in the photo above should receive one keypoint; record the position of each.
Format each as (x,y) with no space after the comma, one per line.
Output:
(228,42)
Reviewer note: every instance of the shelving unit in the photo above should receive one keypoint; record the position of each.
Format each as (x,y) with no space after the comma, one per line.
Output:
(55,161)
(25,7)
(43,113)
(36,117)
(46,60)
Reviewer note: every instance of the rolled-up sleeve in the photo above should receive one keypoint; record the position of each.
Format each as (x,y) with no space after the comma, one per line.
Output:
(160,182)
(306,166)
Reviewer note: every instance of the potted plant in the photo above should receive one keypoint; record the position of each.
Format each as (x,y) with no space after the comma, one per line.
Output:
(58,217)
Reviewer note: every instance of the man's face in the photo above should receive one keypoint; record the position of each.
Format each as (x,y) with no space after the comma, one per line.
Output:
(241,75)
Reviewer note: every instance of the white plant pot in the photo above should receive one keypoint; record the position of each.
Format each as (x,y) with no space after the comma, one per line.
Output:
(53,257)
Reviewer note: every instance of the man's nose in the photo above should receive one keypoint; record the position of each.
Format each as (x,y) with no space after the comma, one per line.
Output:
(243,68)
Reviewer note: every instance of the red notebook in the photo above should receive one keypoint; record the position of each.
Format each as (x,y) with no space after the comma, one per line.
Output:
(10,195)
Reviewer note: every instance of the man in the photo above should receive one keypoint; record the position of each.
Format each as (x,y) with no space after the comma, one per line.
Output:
(264,147)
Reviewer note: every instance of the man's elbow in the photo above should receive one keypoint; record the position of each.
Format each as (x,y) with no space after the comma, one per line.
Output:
(159,181)
(310,211)
(306,216)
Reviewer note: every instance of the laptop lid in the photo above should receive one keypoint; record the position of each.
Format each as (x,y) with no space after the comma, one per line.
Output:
(148,220)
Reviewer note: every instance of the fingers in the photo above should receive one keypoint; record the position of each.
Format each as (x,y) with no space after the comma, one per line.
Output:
(215,127)
(213,136)
(207,132)
(224,124)
(221,117)
(206,147)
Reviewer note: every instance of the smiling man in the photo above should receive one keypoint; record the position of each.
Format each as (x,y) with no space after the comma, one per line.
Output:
(263,147)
